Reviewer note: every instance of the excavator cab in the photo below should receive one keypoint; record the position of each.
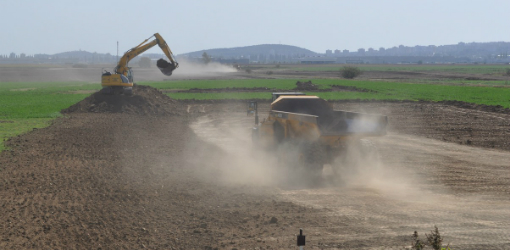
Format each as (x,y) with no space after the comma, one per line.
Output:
(130,75)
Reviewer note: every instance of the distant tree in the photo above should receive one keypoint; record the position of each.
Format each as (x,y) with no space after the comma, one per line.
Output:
(206,58)
(350,72)
(145,62)
(508,72)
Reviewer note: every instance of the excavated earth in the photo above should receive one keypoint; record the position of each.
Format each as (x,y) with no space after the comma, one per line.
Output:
(146,101)
(148,172)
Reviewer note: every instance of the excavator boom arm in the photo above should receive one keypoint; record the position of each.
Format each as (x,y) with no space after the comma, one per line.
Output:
(166,67)
(132,53)
(162,44)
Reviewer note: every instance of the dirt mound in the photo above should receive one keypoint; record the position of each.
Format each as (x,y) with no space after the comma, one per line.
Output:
(144,101)
(306,86)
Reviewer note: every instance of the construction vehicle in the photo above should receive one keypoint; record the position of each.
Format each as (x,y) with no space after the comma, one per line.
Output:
(310,126)
(121,81)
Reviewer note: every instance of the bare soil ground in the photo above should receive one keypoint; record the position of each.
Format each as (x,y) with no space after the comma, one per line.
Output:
(190,179)
(92,73)
(153,173)
(383,75)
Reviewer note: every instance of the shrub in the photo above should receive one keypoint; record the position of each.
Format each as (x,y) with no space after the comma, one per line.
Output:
(248,70)
(269,72)
(350,72)
(417,244)
(508,72)
(206,58)
(434,239)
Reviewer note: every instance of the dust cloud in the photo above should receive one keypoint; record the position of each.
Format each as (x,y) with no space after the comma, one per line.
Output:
(50,73)
(362,167)
(92,72)
(189,68)
(231,158)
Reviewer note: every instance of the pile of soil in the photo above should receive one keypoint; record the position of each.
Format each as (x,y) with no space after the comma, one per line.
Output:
(144,101)
(306,86)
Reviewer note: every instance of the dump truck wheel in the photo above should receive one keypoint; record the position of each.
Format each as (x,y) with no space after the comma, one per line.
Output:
(278,132)
(361,154)
(313,159)
(369,150)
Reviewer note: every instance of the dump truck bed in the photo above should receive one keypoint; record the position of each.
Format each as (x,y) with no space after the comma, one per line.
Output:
(341,122)
(329,121)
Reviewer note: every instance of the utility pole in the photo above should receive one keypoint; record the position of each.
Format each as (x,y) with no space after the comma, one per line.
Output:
(117,51)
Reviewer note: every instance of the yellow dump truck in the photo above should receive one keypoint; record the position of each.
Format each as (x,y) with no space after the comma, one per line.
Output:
(309,125)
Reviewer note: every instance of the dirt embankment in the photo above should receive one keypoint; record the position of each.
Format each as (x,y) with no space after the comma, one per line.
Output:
(144,101)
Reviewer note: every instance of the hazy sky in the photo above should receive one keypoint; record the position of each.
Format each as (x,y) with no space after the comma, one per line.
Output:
(52,26)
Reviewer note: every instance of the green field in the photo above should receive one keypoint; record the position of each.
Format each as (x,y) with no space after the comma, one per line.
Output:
(286,84)
(463,82)
(378,91)
(24,106)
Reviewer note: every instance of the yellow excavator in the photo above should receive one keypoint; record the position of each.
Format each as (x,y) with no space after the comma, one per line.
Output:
(121,81)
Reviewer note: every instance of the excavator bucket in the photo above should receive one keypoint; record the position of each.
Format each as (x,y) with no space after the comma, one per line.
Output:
(166,67)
